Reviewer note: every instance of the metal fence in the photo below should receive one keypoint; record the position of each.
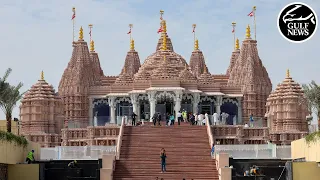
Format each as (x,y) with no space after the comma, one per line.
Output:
(263,151)
(76,152)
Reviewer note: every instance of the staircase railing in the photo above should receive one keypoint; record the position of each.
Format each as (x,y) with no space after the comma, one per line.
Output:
(209,132)
(119,141)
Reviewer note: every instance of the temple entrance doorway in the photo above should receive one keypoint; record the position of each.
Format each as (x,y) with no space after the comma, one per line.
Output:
(205,108)
(232,110)
(163,107)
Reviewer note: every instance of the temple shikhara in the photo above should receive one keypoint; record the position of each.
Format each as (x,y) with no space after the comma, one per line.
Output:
(89,105)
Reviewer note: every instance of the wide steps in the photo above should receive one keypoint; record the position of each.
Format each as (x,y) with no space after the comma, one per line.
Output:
(187,149)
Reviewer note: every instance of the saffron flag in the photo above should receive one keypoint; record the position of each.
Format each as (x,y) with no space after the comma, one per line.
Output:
(90,32)
(233,30)
(193,30)
(129,32)
(160,30)
(161,18)
(73,15)
(251,14)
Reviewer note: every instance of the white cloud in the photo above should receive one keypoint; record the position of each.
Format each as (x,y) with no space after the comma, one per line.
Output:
(36,35)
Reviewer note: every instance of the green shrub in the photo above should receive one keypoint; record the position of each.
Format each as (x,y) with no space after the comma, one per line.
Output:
(12,138)
(313,137)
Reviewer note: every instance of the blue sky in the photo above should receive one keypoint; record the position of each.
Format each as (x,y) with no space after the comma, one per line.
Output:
(36,35)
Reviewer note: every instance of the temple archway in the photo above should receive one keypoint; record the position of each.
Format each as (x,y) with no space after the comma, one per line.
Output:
(101,112)
(165,103)
(230,106)
(206,105)
(124,107)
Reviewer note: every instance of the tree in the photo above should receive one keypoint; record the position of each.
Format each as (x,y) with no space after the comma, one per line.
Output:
(312,94)
(9,96)
(4,85)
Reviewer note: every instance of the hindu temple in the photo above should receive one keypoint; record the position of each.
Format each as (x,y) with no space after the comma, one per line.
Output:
(89,105)
(41,114)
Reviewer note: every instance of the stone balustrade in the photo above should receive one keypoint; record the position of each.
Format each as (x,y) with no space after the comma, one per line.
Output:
(92,135)
(230,134)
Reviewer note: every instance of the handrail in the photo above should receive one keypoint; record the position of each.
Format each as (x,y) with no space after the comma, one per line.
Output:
(209,132)
(119,141)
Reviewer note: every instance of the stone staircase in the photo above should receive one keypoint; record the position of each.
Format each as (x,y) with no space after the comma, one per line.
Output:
(187,148)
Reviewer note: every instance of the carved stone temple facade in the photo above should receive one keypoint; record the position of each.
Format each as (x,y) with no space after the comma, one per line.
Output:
(41,114)
(93,104)
(287,112)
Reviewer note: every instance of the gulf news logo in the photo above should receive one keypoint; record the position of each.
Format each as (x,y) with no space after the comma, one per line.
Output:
(297,22)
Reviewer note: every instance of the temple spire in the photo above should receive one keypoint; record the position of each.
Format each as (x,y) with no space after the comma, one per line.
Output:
(132,45)
(92,46)
(196,45)
(42,76)
(81,33)
(237,46)
(164,36)
(248,32)
(288,73)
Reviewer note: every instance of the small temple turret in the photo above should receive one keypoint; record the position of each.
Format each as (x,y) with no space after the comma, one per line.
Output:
(74,85)
(287,112)
(164,34)
(234,56)
(206,77)
(131,65)
(41,114)
(197,61)
(97,70)
(249,73)
(154,63)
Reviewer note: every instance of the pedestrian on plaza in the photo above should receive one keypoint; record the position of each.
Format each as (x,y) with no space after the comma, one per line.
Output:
(159,118)
(154,118)
(167,119)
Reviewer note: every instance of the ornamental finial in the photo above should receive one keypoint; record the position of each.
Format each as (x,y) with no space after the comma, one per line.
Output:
(248,32)
(42,76)
(132,45)
(81,33)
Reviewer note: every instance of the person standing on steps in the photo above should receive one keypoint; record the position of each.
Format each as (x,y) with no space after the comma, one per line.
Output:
(154,118)
(179,116)
(133,116)
(163,157)
(171,119)
(159,119)
(167,119)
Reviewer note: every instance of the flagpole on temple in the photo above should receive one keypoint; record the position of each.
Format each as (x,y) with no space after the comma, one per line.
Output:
(161,14)
(254,22)
(130,26)
(234,34)
(73,22)
(194,32)
(90,31)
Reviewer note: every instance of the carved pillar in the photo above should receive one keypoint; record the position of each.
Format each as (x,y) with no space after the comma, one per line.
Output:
(112,105)
(218,104)
(134,102)
(196,100)
(177,105)
(91,106)
(239,110)
(152,101)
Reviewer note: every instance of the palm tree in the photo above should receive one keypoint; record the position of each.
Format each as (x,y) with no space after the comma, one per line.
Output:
(3,83)
(11,96)
(312,94)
